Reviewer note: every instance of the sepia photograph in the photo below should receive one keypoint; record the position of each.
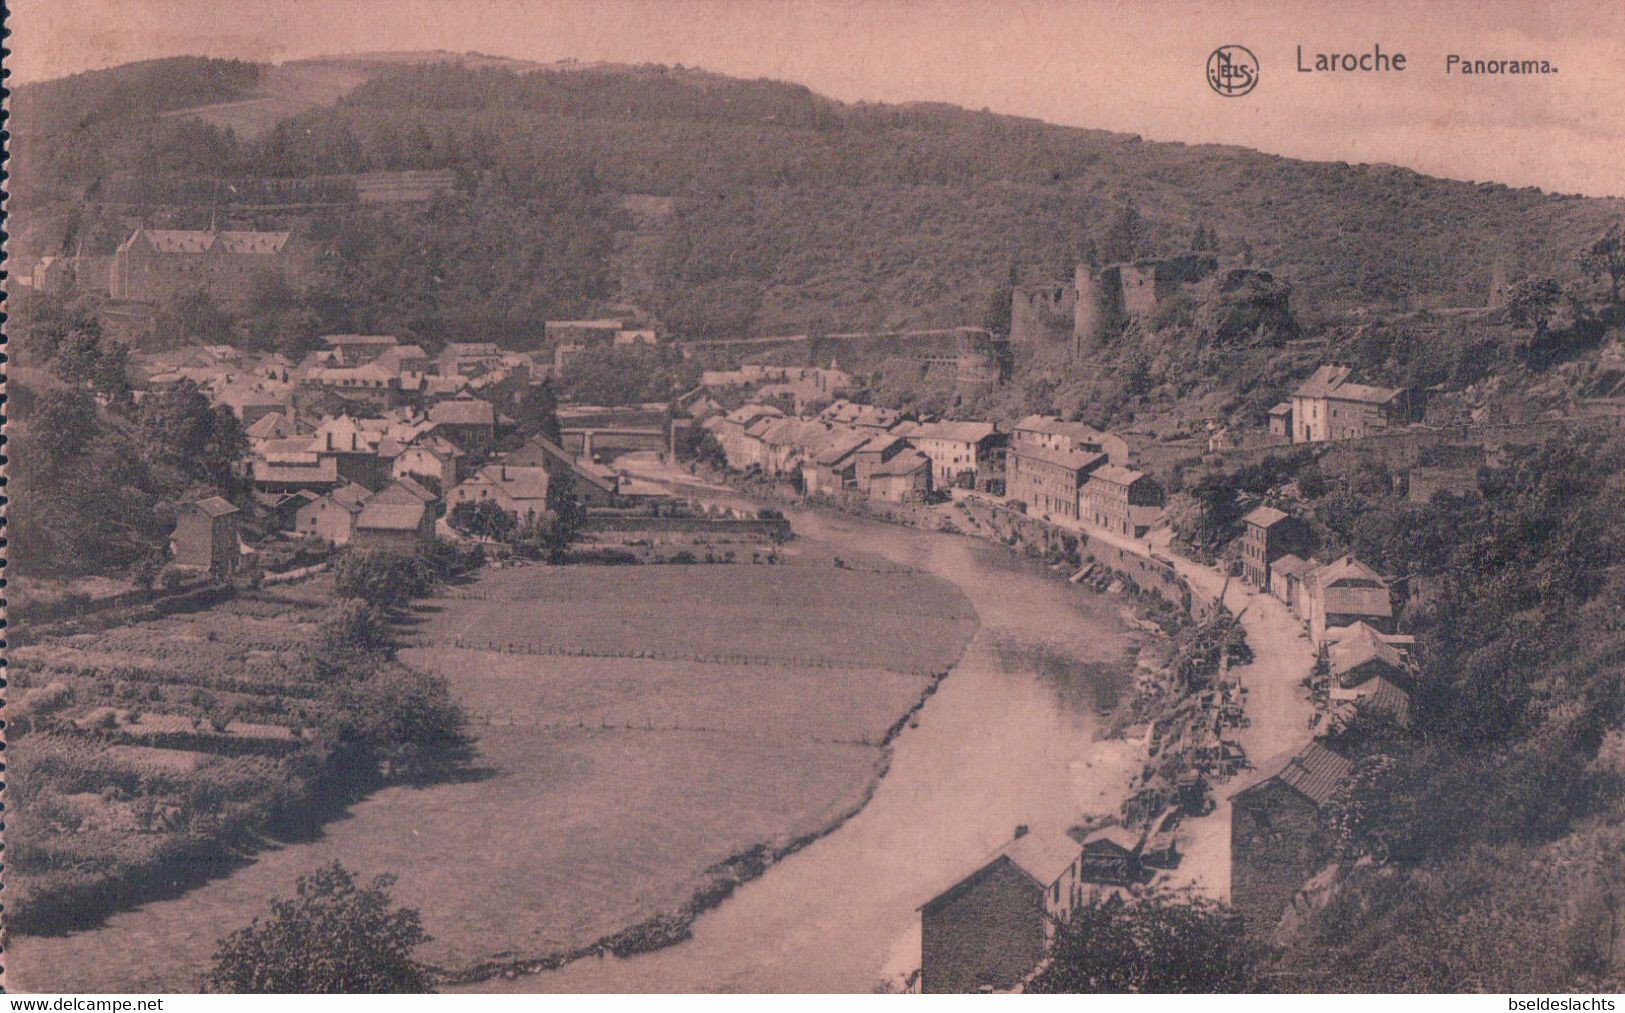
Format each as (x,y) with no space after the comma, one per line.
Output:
(867,497)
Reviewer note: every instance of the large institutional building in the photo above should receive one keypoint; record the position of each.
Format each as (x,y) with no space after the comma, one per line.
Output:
(154,264)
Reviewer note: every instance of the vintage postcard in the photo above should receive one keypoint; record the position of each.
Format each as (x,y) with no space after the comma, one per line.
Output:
(832,496)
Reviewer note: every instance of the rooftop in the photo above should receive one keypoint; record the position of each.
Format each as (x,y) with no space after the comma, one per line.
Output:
(1313,772)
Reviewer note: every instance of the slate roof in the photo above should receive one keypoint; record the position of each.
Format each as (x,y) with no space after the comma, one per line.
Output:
(1323,381)
(359,339)
(906,463)
(1313,772)
(1389,698)
(1265,517)
(215,506)
(390,515)
(959,432)
(463,412)
(271,425)
(1043,855)
(1116,474)
(1350,653)
(326,472)
(1292,564)
(1076,460)
(202,241)
(1120,836)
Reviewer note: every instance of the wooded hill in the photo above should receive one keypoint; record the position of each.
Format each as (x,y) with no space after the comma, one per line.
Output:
(787,211)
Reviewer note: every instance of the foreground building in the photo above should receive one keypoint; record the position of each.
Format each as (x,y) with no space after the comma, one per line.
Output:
(206,536)
(991,929)
(1273,826)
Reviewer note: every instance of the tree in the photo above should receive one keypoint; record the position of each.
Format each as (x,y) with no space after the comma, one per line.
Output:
(1125,234)
(1532,301)
(180,429)
(381,579)
(483,519)
(1154,944)
(538,410)
(333,937)
(1607,257)
(405,722)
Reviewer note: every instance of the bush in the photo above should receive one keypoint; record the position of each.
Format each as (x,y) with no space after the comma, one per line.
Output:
(333,936)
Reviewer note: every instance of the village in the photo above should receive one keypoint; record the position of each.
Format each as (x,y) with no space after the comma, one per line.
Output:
(373,444)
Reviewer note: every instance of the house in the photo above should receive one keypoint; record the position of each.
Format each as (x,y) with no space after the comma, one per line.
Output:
(1281,421)
(740,449)
(357,349)
(962,453)
(466,421)
(331,517)
(861,416)
(875,452)
(904,478)
(1343,592)
(1286,580)
(993,927)
(468,358)
(1367,664)
(402,523)
(406,490)
(521,491)
(1267,535)
(1328,406)
(206,536)
(783,442)
(250,402)
(353,449)
(429,457)
(830,465)
(1052,433)
(1048,480)
(1109,496)
(592,485)
(282,508)
(277,425)
(1273,823)
(292,464)
(1112,855)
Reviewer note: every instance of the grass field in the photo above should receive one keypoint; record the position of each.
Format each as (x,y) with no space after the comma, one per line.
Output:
(803,614)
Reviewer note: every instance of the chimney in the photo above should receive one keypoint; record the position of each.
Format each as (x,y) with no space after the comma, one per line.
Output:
(504,472)
(330,439)
(1021,831)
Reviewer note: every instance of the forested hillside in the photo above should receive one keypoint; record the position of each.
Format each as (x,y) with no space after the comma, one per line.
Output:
(789,212)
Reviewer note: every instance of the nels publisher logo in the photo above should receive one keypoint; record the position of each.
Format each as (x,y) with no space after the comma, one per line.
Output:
(1232,71)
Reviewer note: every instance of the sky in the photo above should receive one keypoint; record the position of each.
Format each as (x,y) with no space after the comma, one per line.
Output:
(1136,67)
